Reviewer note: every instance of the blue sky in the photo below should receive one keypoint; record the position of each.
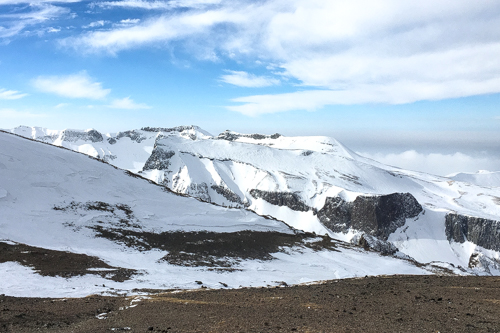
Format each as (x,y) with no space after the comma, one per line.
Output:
(411,84)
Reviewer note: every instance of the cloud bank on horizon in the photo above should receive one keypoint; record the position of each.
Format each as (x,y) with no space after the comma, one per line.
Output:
(269,56)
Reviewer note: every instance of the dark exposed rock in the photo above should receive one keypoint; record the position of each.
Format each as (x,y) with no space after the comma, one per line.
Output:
(378,216)
(165,129)
(199,190)
(483,232)
(480,262)
(61,263)
(229,136)
(211,249)
(132,135)
(288,199)
(228,194)
(111,141)
(369,242)
(159,159)
(90,135)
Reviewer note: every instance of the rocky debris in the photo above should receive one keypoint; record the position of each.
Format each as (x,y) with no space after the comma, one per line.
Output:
(230,136)
(480,262)
(89,135)
(377,216)
(61,263)
(288,199)
(483,232)
(369,242)
(212,249)
(159,159)
(109,158)
(364,304)
(117,214)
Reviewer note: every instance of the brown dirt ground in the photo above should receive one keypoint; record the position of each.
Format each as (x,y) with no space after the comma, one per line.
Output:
(370,304)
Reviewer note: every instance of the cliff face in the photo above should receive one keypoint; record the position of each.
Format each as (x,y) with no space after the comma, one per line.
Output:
(288,199)
(89,135)
(158,160)
(378,216)
(483,232)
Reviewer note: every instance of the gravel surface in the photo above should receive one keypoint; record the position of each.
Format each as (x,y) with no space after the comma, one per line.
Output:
(370,304)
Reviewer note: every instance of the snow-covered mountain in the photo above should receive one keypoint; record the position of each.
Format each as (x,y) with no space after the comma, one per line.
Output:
(482,178)
(126,228)
(314,184)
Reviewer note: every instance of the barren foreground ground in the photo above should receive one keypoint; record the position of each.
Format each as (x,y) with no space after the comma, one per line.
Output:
(371,304)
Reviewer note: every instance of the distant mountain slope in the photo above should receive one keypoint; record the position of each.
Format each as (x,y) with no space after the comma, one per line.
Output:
(480,178)
(311,183)
(55,204)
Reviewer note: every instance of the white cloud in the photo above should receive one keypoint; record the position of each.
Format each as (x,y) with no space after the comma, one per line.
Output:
(11,94)
(79,85)
(34,2)
(127,103)
(96,24)
(399,92)
(361,51)
(14,24)
(126,23)
(162,29)
(244,79)
(436,163)
(155,5)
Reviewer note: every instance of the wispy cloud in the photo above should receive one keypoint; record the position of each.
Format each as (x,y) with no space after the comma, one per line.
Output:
(126,23)
(128,104)
(79,85)
(244,79)
(159,29)
(96,24)
(155,5)
(399,92)
(436,163)
(11,94)
(34,2)
(15,23)
(387,52)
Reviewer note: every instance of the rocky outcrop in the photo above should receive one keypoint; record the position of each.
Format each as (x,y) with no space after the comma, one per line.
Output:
(228,194)
(199,191)
(230,136)
(483,232)
(172,129)
(73,136)
(288,199)
(159,159)
(378,216)
(369,242)
(480,262)
(132,135)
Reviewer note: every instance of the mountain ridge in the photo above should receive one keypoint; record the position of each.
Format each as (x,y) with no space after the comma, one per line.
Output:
(292,179)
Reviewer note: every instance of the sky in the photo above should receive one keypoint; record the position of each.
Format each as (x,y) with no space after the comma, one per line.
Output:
(411,84)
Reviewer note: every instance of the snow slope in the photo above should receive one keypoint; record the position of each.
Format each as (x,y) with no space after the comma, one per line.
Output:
(227,169)
(481,178)
(56,199)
